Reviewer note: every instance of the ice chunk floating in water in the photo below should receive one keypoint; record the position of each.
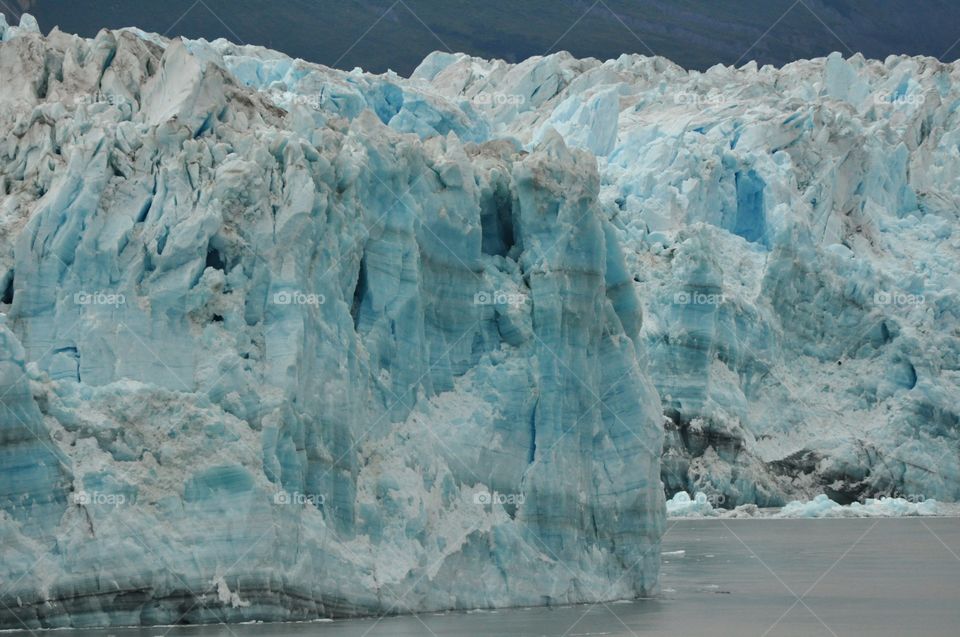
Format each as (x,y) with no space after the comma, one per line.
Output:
(682,505)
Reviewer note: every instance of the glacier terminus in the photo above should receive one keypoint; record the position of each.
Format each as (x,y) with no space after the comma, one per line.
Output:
(285,342)
(305,359)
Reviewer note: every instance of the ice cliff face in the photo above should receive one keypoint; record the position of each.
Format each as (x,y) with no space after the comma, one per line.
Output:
(284,342)
(273,358)
(793,237)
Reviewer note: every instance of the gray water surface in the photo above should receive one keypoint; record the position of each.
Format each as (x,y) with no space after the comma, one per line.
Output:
(735,577)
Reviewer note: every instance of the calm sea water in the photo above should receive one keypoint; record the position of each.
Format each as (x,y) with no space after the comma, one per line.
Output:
(733,577)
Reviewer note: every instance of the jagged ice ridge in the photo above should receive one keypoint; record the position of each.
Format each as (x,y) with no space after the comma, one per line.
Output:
(284,361)
(285,342)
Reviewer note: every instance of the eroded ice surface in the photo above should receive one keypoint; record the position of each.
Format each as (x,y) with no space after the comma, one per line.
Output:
(308,323)
(272,358)
(793,237)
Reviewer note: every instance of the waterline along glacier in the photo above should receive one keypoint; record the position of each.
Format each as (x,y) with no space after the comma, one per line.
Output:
(284,342)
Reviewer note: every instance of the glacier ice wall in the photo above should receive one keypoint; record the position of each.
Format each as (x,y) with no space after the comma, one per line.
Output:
(283,342)
(793,235)
(318,343)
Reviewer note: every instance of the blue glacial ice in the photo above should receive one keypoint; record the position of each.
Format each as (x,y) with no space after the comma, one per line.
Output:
(792,234)
(285,342)
(281,342)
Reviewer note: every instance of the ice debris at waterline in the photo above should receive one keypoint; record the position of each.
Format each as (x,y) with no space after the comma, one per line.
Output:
(270,361)
(682,505)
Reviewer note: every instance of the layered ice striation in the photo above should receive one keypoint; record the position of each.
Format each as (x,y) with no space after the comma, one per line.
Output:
(282,342)
(286,342)
(793,236)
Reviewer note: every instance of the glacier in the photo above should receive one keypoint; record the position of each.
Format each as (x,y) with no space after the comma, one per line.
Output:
(792,234)
(285,342)
(272,358)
